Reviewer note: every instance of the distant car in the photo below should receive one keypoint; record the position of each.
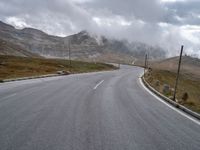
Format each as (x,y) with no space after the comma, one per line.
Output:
(63,72)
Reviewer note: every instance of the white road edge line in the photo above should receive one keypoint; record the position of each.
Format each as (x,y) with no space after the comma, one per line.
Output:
(173,108)
(98,84)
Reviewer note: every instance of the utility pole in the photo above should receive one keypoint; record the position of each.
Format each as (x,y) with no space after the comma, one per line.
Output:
(119,63)
(145,63)
(95,61)
(69,54)
(177,76)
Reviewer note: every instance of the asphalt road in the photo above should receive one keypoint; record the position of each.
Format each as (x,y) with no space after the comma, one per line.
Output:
(94,111)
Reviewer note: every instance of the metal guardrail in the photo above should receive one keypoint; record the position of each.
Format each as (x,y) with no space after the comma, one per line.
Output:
(173,103)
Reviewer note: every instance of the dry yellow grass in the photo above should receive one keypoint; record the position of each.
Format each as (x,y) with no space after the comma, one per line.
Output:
(14,67)
(187,84)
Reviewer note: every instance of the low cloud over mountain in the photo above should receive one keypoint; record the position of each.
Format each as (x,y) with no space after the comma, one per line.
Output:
(83,45)
(165,23)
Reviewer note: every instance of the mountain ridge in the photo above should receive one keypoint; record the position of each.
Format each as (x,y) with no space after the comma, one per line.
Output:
(83,44)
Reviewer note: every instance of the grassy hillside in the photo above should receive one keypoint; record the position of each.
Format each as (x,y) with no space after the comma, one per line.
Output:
(14,67)
(189,81)
(186,84)
(190,66)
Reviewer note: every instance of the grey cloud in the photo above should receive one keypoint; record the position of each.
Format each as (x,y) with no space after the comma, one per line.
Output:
(147,10)
(52,14)
(184,8)
(151,10)
(64,17)
(187,11)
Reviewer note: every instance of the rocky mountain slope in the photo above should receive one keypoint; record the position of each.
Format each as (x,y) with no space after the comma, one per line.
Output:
(9,48)
(83,45)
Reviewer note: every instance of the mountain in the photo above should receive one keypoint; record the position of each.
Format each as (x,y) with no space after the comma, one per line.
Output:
(83,45)
(8,48)
(139,49)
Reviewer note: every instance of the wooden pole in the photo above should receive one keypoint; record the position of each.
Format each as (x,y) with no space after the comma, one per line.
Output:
(69,48)
(177,76)
(145,63)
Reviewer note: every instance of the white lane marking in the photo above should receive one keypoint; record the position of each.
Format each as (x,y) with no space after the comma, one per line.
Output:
(170,106)
(9,96)
(98,84)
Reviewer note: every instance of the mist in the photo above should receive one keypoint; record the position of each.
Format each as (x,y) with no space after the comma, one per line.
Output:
(156,22)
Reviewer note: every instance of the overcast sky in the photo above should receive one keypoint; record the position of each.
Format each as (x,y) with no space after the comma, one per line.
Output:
(167,23)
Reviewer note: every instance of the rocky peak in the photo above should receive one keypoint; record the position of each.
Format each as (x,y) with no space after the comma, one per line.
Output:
(33,31)
(4,26)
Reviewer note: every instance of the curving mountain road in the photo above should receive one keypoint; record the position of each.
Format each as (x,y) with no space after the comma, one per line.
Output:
(93,111)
